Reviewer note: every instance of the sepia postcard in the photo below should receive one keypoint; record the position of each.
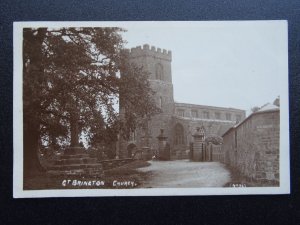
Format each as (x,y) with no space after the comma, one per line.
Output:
(150,108)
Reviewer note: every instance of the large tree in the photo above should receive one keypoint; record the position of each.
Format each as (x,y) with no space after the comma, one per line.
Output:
(72,84)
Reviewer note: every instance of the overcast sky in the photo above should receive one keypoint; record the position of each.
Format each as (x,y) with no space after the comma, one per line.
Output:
(227,64)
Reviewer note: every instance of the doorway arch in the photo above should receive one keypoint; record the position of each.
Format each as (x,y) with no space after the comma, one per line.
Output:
(130,150)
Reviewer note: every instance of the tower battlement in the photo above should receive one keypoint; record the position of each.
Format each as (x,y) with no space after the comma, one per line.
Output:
(147,50)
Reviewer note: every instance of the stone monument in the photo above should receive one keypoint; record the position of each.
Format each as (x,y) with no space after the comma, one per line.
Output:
(198,146)
(162,145)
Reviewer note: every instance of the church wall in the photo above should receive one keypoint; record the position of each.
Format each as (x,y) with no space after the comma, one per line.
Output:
(209,112)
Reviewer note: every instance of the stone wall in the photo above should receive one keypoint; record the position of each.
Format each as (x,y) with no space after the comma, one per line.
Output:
(110,164)
(217,153)
(252,147)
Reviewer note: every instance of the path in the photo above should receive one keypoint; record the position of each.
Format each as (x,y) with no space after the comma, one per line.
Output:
(183,173)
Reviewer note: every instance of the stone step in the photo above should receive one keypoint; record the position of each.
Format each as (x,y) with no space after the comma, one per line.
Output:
(75,156)
(71,161)
(75,166)
(94,172)
(74,150)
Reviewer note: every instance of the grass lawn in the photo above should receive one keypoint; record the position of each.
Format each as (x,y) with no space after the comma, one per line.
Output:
(122,177)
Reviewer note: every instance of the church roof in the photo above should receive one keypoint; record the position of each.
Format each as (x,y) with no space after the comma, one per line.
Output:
(191,105)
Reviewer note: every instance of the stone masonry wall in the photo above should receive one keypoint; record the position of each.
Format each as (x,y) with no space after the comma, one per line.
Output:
(253,146)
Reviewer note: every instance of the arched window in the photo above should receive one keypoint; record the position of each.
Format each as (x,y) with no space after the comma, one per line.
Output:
(159,72)
(131,148)
(179,134)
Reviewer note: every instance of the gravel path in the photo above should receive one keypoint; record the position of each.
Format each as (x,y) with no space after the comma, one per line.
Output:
(183,173)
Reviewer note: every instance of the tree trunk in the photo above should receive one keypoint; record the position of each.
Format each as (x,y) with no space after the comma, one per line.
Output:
(32,76)
(31,160)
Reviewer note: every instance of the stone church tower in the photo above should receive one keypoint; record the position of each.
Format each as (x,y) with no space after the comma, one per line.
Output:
(158,63)
(178,120)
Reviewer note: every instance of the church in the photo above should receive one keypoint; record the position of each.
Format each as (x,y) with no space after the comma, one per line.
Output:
(178,121)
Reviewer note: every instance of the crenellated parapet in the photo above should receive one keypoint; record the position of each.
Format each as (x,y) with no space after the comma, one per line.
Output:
(152,51)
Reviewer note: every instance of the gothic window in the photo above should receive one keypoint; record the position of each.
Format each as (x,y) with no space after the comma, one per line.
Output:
(132,136)
(217,116)
(206,115)
(228,116)
(194,113)
(179,134)
(159,72)
(180,112)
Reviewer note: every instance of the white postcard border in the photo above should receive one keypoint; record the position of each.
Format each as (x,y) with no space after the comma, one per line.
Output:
(18,191)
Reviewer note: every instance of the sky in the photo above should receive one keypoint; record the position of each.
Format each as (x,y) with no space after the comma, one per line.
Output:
(226,64)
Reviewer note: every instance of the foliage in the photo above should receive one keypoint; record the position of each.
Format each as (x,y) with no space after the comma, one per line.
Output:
(277,101)
(72,85)
(214,139)
(134,90)
(255,109)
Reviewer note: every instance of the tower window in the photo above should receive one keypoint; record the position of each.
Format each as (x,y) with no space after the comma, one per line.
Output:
(228,116)
(160,102)
(132,136)
(159,72)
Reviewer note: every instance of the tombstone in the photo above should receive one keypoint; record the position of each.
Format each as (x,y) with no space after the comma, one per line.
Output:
(146,149)
(167,153)
(162,143)
(191,151)
(198,146)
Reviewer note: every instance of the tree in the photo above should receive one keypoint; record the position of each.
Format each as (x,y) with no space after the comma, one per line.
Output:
(135,91)
(277,101)
(72,83)
(214,139)
(255,109)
